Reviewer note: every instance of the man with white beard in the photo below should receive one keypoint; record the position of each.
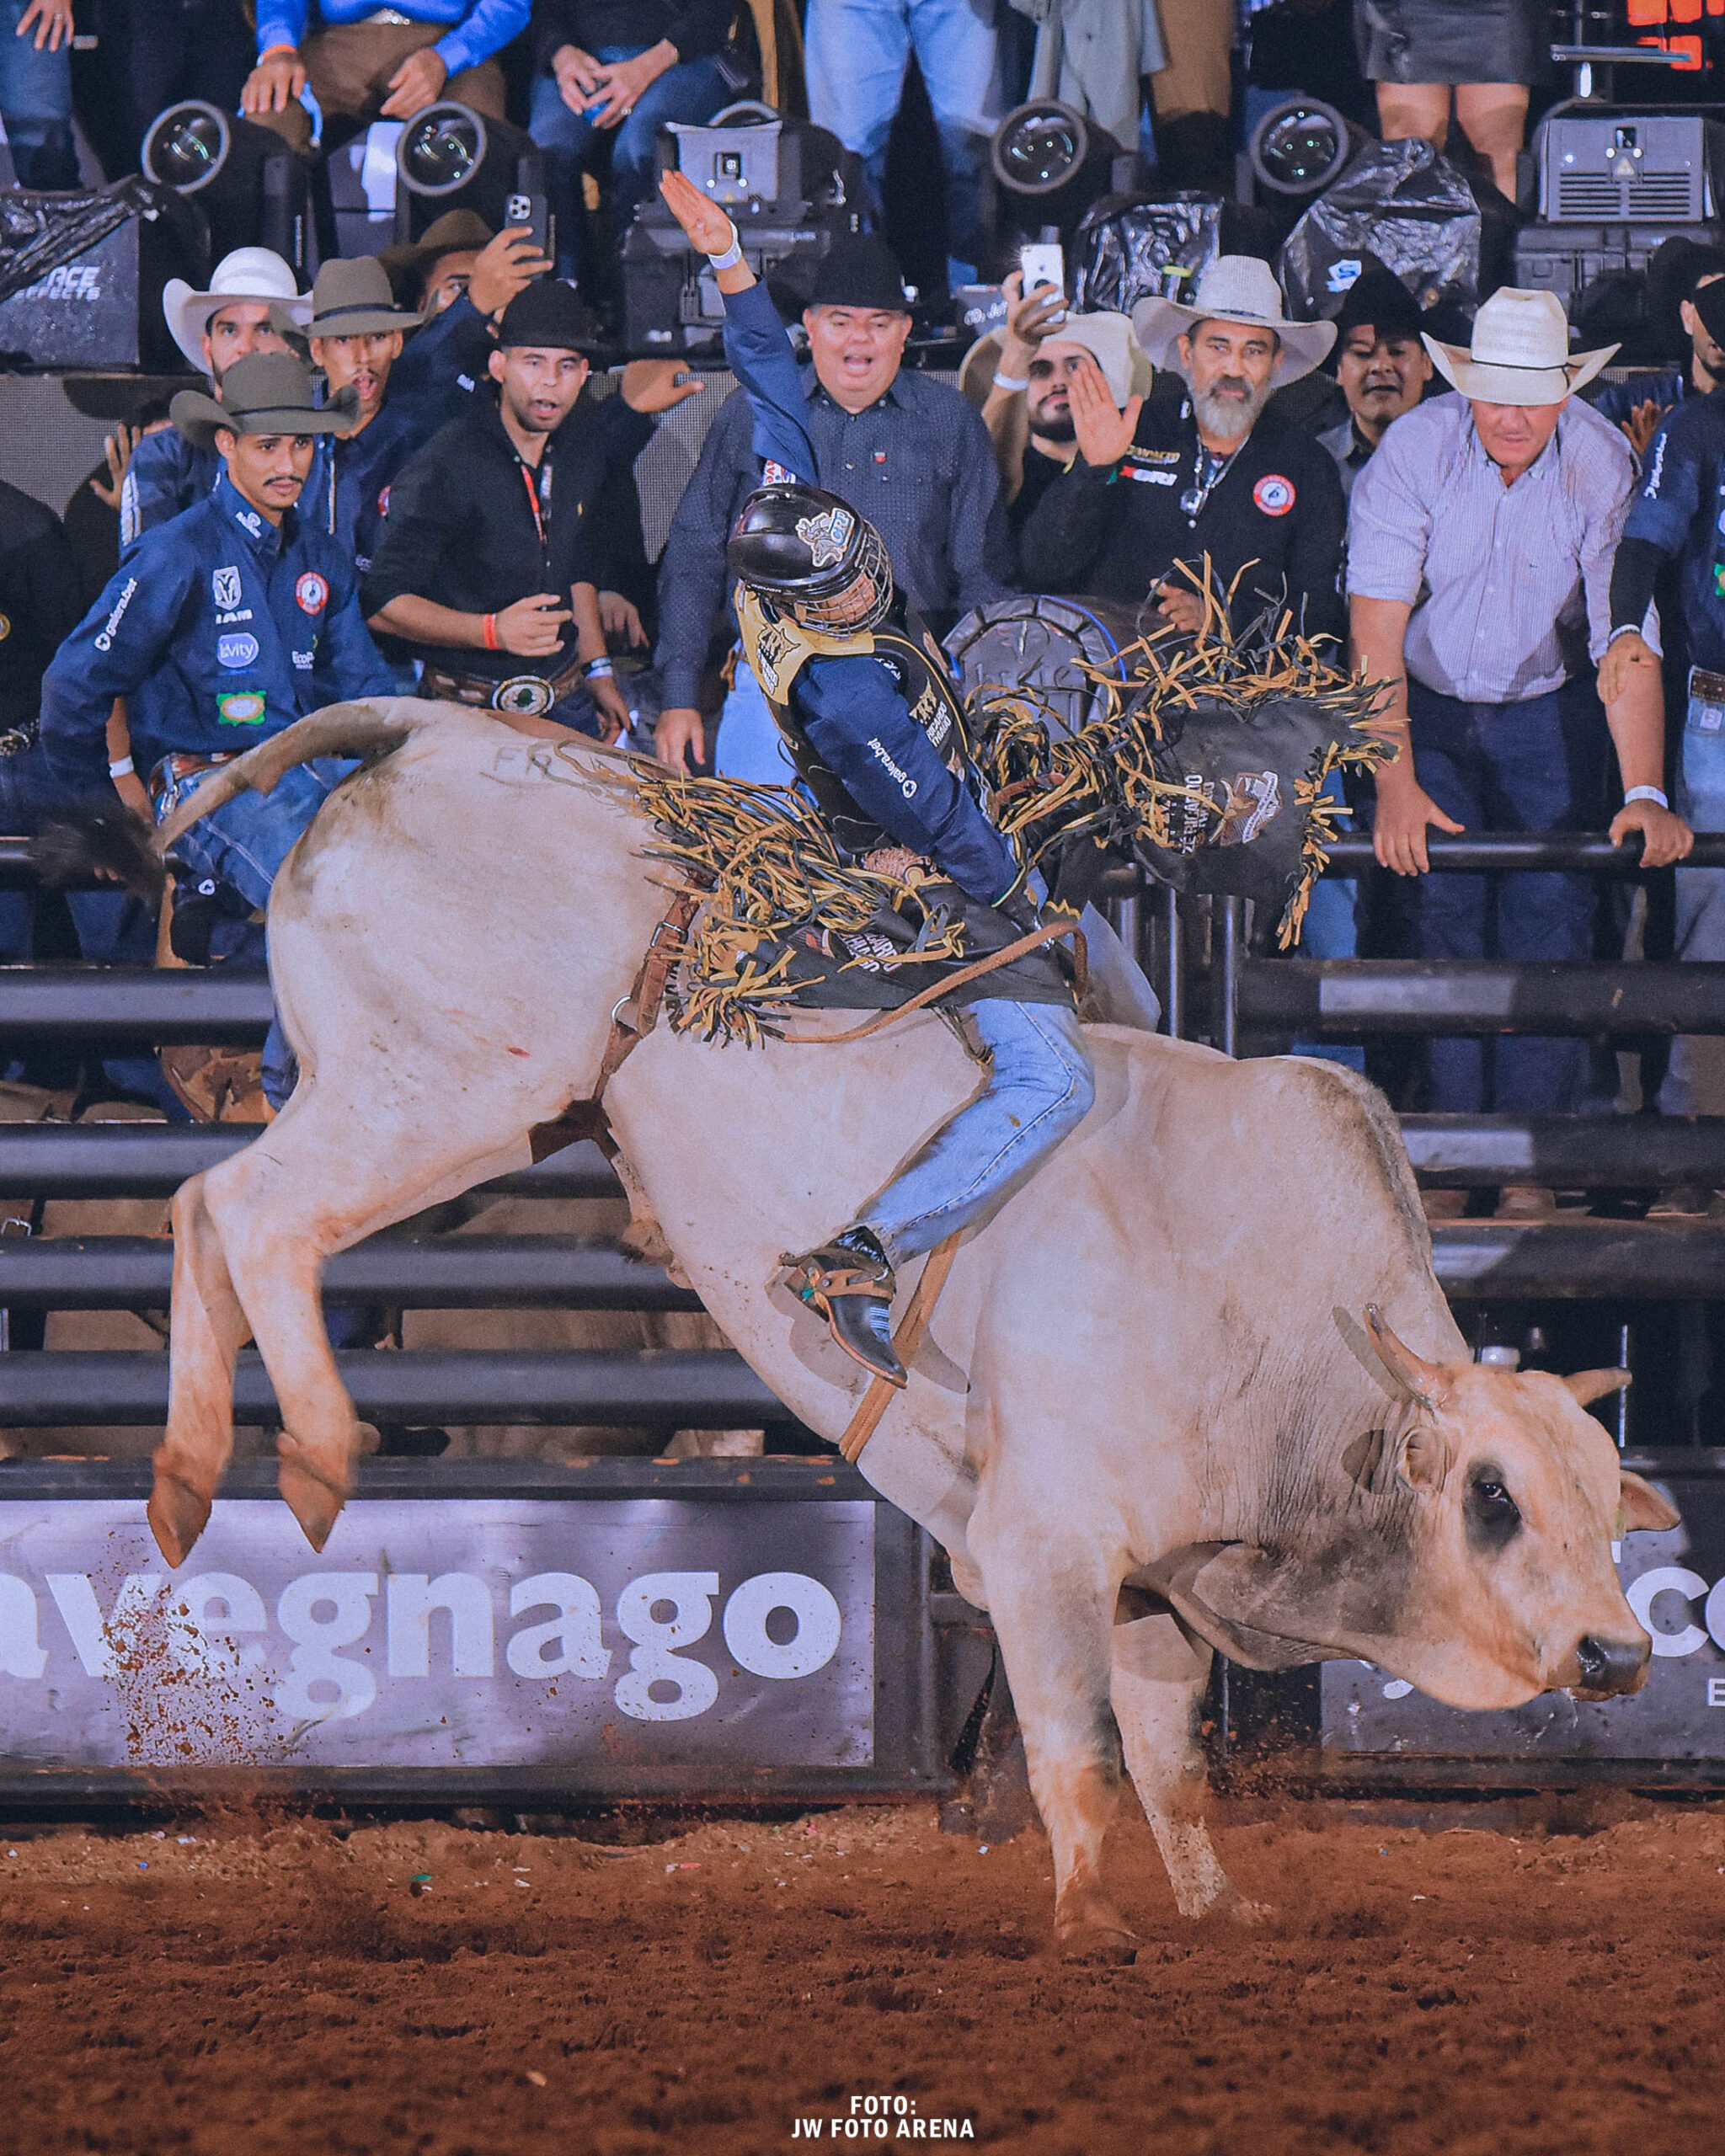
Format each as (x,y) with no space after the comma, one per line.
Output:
(1159,486)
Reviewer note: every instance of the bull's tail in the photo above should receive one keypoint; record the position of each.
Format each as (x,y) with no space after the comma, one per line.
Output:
(367,730)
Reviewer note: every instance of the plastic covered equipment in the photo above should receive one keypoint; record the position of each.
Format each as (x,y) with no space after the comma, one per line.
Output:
(1401,205)
(1127,251)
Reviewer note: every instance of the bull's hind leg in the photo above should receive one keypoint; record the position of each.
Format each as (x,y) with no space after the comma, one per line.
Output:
(1158,1694)
(208,1330)
(1051,1610)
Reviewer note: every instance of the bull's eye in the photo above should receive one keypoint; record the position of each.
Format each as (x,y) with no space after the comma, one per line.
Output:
(1492,1516)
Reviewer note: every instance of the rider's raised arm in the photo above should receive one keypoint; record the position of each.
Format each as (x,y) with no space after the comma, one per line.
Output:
(756,341)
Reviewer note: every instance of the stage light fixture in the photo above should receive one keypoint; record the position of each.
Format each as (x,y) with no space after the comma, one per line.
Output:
(249,182)
(1300,146)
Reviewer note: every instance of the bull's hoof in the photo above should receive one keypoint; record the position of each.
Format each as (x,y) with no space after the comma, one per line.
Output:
(314,1497)
(1099,1944)
(178,1515)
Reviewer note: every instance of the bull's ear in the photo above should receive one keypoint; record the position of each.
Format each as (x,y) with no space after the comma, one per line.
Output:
(1421,1381)
(1425,1459)
(1642,1507)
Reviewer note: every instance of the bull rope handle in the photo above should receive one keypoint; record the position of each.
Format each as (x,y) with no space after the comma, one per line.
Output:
(906,1341)
(1004,957)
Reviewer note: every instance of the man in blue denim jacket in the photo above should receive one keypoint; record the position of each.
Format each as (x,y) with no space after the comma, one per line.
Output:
(870,719)
(227,625)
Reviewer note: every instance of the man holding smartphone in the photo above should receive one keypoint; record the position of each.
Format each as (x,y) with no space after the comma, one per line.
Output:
(485,570)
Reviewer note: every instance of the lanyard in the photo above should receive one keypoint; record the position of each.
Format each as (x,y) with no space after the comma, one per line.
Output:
(538,493)
(1207,476)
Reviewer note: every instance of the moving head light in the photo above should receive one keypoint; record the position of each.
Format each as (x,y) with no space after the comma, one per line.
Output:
(1300,146)
(449,154)
(248,183)
(1051,164)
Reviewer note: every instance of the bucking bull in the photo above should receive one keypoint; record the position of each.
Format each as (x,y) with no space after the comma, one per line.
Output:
(1194,1387)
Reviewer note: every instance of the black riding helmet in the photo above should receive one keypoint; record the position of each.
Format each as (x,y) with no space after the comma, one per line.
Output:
(808,550)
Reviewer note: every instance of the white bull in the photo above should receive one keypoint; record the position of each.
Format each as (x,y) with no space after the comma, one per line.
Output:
(1147,1420)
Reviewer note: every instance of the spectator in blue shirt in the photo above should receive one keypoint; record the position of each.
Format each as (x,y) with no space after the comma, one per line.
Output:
(1638,404)
(227,625)
(368,63)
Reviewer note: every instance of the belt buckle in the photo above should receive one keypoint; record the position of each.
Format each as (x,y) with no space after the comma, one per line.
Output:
(528,696)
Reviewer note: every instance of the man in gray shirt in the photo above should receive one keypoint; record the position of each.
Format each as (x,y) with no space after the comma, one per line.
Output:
(910,454)
(1479,565)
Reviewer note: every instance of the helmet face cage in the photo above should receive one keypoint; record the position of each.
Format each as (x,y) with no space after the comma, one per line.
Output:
(829,611)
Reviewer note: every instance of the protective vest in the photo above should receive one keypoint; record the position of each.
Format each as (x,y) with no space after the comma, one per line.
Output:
(777,648)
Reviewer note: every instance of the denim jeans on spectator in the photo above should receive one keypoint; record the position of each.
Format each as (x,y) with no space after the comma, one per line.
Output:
(749,745)
(693,91)
(1536,765)
(243,844)
(1694,1077)
(1330,930)
(856,54)
(35,103)
(1039,1087)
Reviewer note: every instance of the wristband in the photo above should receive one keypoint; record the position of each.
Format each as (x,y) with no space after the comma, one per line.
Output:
(269,51)
(123,769)
(732,255)
(598,669)
(490,632)
(1652,793)
(1623,629)
(1012,382)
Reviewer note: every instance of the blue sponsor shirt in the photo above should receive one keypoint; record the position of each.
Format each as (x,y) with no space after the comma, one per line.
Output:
(219,629)
(850,708)
(1680,509)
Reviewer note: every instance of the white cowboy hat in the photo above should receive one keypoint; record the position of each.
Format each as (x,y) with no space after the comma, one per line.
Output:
(1520,352)
(1109,338)
(1235,288)
(249,273)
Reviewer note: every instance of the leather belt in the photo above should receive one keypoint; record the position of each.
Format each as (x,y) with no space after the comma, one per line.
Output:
(181,764)
(1709,687)
(530,695)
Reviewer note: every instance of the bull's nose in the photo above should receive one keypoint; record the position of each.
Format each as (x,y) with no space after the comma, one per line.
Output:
(1613,1665)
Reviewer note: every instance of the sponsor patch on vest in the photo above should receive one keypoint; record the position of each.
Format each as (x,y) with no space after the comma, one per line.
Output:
(311,593)
(240,708)
(236,652)
(1273,494)
(224,588)
(1148,479)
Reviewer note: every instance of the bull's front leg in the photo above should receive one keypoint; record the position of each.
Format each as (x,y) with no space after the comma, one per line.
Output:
(1051,1612)
(1158,1691)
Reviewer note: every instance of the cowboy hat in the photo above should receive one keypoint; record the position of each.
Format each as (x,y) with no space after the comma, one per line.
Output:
(249,273)
(352,298)
(1235,288)
(1109,338)
(456,231)
(1519,354)
(270,394)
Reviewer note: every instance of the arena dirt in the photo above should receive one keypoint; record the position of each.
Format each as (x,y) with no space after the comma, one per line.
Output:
(244,1988)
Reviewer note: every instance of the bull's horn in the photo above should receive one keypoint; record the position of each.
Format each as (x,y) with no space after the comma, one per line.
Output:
(1421,1380)
(1589,1385)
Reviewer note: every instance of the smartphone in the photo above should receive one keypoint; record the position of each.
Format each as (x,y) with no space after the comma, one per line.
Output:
(533,212)
(1043,262)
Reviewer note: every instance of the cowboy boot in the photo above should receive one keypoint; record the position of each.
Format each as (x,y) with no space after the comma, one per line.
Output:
(850,1281)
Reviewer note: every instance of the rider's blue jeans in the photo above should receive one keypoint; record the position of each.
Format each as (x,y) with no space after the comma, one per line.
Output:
(243,844)
(1039,1087)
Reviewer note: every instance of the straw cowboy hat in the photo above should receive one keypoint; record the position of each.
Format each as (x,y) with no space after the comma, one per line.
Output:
(351,298)
(1519,354)
(1110,338)
(270,394)
(249,273)
(1235,288)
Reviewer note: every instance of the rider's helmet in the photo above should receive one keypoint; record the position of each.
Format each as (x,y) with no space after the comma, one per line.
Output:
(813,557)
